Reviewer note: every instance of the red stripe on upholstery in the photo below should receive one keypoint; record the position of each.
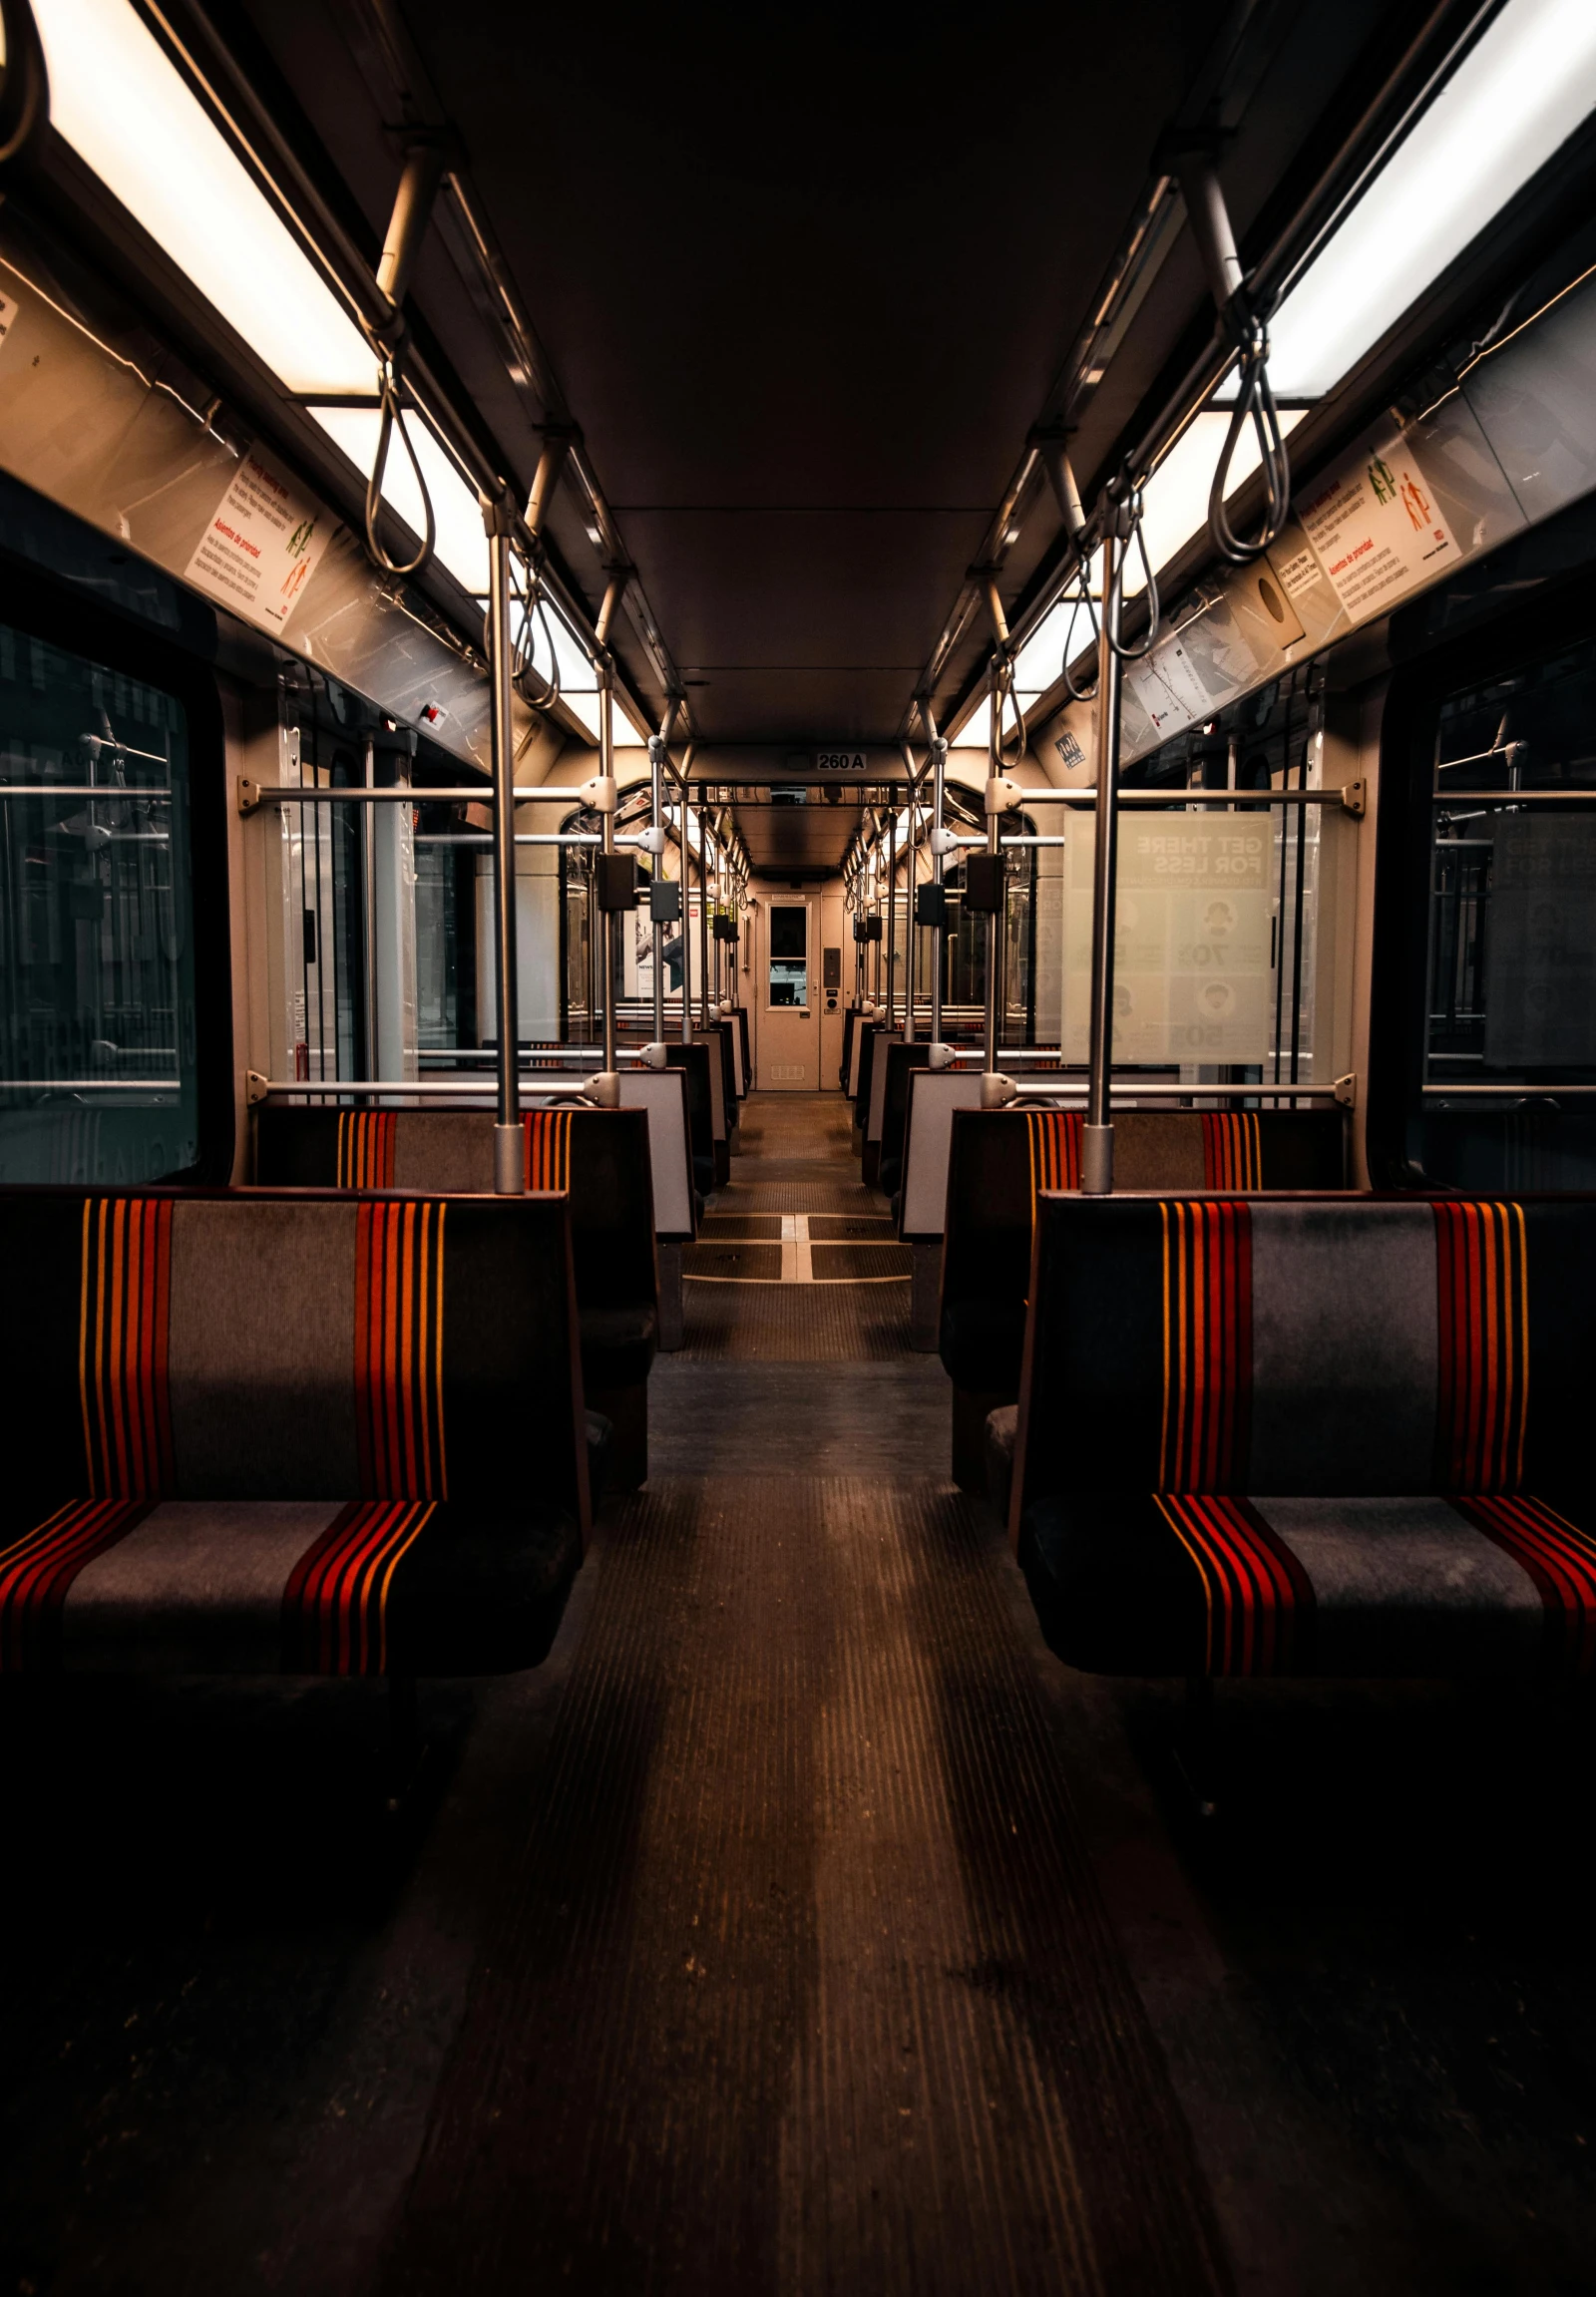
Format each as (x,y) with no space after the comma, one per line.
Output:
(1232,1150)
(37,1571)
(1482,1308)
(1259,1598)
(1559,1558)
(335,1606)
(1208,1347)
(366,1148)
(399,1422)
(122,1342)
(548,1149)
(1054,1151)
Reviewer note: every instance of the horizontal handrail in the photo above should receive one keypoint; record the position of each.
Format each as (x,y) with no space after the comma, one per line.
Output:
(91,1084)
(1506,1092)
(80,790)
(1513,797)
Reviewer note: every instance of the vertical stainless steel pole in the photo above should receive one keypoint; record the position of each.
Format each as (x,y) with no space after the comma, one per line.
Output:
(1097,1133)
(368,913)
(683,792)
(892,916)
(508,1148)
(910,935)
(939,773)
(994,916)
(703,905)
(656,823)
(606,828)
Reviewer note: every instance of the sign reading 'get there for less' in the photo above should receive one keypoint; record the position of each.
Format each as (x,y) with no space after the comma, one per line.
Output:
(1191,939)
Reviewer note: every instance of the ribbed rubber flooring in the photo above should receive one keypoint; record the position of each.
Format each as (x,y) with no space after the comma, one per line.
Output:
(801,1981)
(803,1984)
(797,1322)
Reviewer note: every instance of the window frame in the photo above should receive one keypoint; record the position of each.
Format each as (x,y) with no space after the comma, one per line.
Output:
(40,605)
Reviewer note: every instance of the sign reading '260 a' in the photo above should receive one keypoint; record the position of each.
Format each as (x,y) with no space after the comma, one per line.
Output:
(841,761)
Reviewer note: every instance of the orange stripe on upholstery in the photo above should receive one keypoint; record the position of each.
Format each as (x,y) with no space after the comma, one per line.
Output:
(335,1606)
(1233,1156)
(399,1420)
(1208,1346)
(1054,1151)
(1259,1598)
(125,1304)
(1483,1285)
(1559,1558)
(37,1571)
(365,1147)
(548,1149)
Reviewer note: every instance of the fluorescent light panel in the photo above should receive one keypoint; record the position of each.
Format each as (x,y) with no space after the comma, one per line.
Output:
(1520,92)
(127,112)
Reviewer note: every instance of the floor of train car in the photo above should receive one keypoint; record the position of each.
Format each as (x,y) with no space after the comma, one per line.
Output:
(803,1925)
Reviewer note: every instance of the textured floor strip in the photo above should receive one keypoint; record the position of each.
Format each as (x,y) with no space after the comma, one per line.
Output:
(803,1983)
(796,1324)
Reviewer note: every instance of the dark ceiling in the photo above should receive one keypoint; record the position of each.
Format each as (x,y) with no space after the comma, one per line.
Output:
(806,277)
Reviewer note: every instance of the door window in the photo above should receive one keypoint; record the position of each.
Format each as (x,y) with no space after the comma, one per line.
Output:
(789,954)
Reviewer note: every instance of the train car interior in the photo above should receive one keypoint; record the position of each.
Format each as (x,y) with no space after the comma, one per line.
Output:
(798,1149)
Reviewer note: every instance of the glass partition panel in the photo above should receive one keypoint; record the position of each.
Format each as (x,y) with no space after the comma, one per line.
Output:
(98,1063)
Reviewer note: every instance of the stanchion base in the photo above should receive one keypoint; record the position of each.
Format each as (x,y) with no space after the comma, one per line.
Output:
(509,1160)
(1096,1160)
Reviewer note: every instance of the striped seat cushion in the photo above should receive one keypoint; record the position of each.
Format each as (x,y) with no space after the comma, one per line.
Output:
(305,1587)
(1167,1584)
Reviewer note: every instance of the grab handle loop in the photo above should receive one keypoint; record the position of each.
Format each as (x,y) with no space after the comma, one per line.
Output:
(392,419)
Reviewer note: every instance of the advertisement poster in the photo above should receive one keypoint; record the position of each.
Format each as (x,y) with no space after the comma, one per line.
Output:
(1191,939)
(261,547)
(1375,526)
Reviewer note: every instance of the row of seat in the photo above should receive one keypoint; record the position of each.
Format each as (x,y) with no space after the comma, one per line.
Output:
(315,1432)
(1332,1435)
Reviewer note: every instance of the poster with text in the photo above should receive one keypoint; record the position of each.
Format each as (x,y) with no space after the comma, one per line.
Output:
(1191,939)
(1376,528)
(261,547)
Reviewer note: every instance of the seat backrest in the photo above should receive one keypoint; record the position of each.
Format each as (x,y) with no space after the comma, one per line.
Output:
(934,1097)
(1000,1159)
(694,1060)
(902,1061)
(600,1157)
(262,1345)
(1307,1347)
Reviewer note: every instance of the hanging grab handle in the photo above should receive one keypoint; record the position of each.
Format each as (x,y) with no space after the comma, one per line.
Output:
(1255,403)
(1255,400)
(393,418)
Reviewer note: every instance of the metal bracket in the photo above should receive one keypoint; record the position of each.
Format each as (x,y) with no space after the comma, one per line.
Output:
(940,1057)
(254,1088)
(1346,1089)
(601,793)
(249,798)
(1355,798)
(996,1090)
(1002,794)
(603,1089)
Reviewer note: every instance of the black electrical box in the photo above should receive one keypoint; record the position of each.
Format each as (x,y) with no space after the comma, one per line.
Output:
(831,968)
(615,876)
(726,928)
(860,934)
(930,905)
(664,901)
(984,884)
(872,929)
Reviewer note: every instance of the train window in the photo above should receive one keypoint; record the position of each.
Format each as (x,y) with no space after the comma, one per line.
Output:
(1512,923)
(97,913)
